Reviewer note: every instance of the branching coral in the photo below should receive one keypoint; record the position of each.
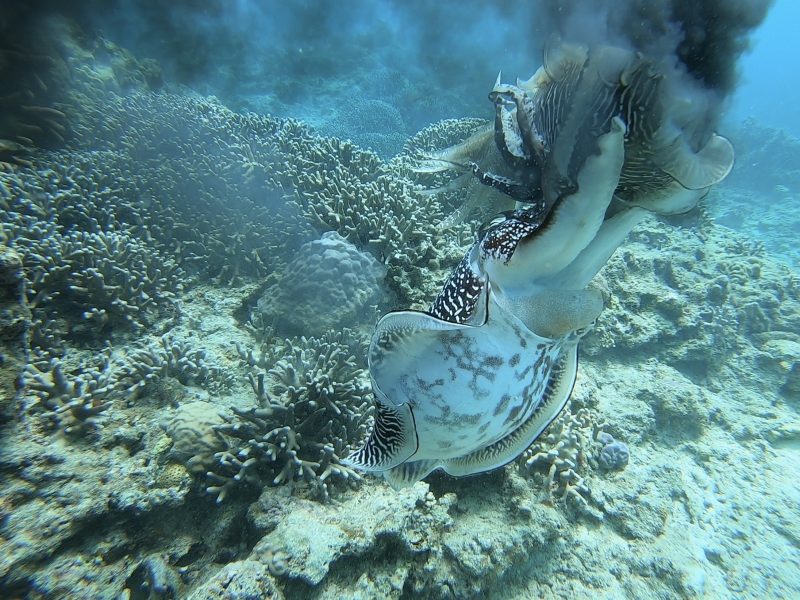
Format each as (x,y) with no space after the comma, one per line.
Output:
(442,134)
(94,282)
(230,196)
(87,276)
(341,188)
(74,403)
(560,457)
(180,361)
(320,405)
(75,398)
(14,327)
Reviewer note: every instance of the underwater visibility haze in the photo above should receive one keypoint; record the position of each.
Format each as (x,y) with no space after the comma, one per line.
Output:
(305,300)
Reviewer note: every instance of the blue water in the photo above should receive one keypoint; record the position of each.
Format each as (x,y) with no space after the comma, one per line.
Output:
(767,92)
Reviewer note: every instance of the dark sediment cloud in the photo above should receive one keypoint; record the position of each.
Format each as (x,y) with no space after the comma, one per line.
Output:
(703,37)
(291,48)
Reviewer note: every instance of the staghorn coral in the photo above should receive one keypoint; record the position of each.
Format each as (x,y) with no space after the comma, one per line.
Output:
(328,285)
(95,282)
(86,278)
(179,361)
(322,370)
(269,345)
(320,405)
(160,171)
(74,399)
(165,182)
(74,402)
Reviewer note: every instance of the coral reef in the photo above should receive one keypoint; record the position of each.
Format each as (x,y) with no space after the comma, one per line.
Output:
(14,328)
(562,455)
(462,194)
(321,406)
(374,209)
(415,542)
(371,123)
(240,579)
(179,361)
(691,307)
(82,286)
(328,285)
(40,55)
(774,228)
(169,215)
